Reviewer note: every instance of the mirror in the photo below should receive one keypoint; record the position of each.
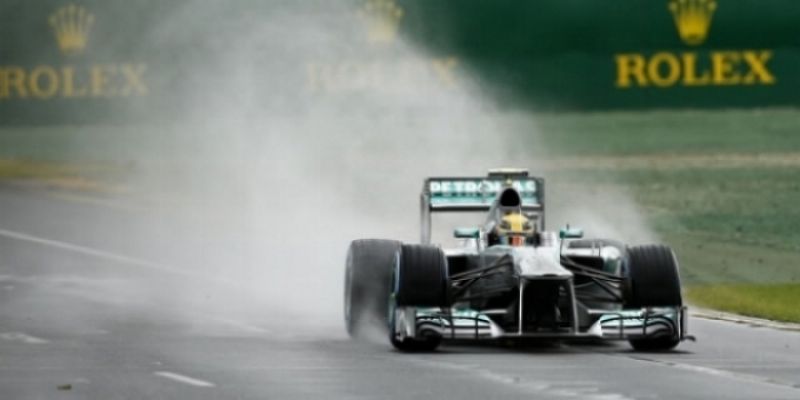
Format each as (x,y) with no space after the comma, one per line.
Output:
(466,233)
(571,233)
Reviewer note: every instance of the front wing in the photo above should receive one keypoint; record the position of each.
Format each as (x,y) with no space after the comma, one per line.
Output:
(467,324)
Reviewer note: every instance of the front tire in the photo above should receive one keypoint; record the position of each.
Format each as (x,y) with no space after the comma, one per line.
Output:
(654,282)
(663,343)
(368,274)
(420,279)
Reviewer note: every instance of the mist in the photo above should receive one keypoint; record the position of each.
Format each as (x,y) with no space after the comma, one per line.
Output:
(283,154)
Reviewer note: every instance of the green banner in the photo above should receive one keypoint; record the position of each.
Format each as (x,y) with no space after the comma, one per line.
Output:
(580,54)
(114,60)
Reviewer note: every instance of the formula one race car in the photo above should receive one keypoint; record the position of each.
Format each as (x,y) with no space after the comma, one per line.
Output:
(511,279)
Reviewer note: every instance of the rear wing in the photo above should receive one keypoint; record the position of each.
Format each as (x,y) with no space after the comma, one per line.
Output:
(465,194)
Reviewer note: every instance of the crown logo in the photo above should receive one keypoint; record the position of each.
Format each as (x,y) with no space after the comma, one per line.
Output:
(693,19)
(382,18)
(71,26)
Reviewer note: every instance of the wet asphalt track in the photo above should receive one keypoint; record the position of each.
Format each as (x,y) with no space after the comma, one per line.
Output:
(71,327)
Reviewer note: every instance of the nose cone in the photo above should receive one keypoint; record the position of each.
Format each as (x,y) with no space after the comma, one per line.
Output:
(539,263)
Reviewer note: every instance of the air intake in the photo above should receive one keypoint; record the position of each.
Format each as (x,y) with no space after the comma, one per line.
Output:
(510,198)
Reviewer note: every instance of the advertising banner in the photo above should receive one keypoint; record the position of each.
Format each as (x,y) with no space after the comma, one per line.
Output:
(89,61)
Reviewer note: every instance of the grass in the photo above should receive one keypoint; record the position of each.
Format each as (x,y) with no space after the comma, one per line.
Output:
(728,225)
(721,187)
(776,302)
(61,175)
(671,132)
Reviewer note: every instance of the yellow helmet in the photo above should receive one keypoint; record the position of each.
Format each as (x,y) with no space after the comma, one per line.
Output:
(514,229)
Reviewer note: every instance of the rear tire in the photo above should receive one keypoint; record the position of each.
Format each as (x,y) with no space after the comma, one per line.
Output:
(417,345)
(421,277)
(654,282)
(420,280)
(654,279)
(367,287)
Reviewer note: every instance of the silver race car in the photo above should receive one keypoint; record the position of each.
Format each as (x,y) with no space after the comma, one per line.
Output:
(510,278)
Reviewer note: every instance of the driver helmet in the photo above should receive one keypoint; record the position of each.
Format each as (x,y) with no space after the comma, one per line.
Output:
(514,229)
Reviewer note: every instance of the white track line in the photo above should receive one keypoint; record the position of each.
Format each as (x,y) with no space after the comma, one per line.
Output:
(89,251)
(130,261)
(22,337)
(110,256)
(715,315)
(184,379)
(719,372)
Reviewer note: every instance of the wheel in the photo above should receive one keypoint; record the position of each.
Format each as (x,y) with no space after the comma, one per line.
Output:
(654,279)
(367,284)
(427,344)
(420,280)
(662,343)
(654,282)
(421,277)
